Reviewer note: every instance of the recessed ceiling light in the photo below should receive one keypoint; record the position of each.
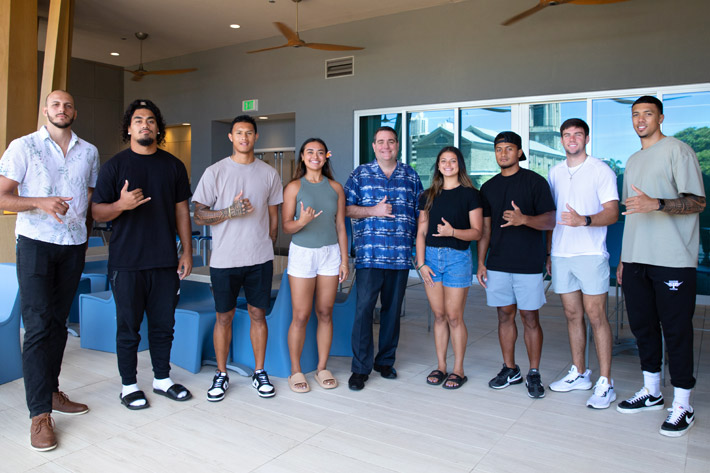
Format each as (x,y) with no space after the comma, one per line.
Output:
(263,118)
(235,26)
(115,54)
(185,124)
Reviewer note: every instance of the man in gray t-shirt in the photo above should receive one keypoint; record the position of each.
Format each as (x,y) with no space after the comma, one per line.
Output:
(239,197)
(658,259)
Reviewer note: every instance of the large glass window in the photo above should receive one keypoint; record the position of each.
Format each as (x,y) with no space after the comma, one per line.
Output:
(687,117)
(545,120)
(479,127)
(428,132)
(613,136)
(368,125)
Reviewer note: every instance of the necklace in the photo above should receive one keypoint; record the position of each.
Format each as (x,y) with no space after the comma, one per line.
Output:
(579,168)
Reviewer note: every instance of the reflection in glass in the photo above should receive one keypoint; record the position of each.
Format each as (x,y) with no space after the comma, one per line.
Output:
(545,120)
(613,136)
(428,133)
(687,117)
(479,127)
(368,126)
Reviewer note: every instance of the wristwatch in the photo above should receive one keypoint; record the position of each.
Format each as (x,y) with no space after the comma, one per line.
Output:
(587,220)
(661,204)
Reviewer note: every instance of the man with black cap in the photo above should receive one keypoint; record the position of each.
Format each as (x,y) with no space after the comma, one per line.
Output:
(517,209)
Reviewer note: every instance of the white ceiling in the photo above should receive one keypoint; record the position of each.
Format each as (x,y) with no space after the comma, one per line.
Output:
(179,27)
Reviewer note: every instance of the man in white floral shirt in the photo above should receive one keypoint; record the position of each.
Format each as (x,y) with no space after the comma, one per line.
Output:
(54,173)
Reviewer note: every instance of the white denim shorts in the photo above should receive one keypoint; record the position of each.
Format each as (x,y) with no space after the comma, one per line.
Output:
(311,262)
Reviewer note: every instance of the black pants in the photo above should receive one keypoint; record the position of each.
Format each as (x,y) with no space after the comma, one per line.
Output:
(657,296)
(155,292)
(48,276)
(389,285)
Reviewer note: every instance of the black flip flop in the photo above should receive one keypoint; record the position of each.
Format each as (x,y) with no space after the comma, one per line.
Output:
(174,392)
(128,399)
(439,375)
(456,379)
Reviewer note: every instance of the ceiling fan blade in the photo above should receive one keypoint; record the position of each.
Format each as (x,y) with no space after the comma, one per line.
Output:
(331,47)
(596,2)
(525,14)
(167,72)
(268,49)
(290,35)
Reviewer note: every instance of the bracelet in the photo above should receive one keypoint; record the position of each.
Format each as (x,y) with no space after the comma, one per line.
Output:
(420,267)
(453,230)
(229,211)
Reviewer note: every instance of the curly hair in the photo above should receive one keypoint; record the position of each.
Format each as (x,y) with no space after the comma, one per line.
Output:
(128,115)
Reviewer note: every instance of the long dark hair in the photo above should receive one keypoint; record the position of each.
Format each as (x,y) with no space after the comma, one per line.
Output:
(437,179)
(300,170)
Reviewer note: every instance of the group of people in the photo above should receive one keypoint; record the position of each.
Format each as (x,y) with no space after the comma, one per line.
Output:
(523,225)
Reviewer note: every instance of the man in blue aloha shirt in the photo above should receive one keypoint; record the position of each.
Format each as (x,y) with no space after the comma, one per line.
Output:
(381,198)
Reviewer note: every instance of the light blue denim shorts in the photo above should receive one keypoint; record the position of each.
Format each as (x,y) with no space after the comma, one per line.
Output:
(586,273)
(525,290)
(452,268)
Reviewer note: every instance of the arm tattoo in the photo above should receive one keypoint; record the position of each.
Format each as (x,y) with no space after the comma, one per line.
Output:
(237,209)
(685,204)
(205,216)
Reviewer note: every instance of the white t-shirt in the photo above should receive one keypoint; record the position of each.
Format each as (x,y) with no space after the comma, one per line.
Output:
(240,241)
(585,188)
(39,165)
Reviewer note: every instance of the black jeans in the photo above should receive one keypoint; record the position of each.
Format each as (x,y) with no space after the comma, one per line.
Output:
(48,275)
(155,292)
(389,285)
(661,297)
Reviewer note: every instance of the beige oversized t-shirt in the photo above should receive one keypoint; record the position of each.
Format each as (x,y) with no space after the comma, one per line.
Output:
(666,170)
(240,241)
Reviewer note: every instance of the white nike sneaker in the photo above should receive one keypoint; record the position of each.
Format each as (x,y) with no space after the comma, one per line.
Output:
(572,381)
(603,394)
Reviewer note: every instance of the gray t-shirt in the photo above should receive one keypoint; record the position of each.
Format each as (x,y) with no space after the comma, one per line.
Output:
(241,241)
(663,171)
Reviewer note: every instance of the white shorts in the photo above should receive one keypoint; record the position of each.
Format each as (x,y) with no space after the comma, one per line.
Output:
(588,273)
(311,262)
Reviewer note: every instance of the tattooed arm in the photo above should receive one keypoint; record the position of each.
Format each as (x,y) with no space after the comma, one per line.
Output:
(205,216)
(685,204)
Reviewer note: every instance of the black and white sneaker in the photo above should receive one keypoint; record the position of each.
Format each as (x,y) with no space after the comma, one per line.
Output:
(642,401)
(678,422)
(533,381)
(260,381)
(220,384)
(506,377)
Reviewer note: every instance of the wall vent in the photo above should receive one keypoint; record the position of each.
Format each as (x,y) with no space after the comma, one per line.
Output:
(340,67)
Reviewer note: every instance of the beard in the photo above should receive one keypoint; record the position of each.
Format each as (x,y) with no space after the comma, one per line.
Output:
(61,125)
(507,166)
(145,141)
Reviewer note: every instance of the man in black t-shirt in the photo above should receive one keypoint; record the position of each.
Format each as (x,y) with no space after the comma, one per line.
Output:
(517,209)
(143,264)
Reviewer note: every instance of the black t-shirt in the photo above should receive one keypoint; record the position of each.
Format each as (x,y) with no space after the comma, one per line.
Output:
(516,249)
(453,205)
(143,238)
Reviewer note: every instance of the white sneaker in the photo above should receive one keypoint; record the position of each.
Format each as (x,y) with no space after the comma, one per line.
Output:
(573,380)
(603,395)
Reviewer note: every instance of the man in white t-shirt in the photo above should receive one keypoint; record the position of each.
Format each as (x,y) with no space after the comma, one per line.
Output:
(239,197)
(587,202)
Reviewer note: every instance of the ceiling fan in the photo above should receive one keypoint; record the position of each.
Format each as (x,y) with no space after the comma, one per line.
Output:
(141,71)
(294,41)
(550,3)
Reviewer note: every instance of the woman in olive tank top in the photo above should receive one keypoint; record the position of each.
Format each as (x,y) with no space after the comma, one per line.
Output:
(313,212)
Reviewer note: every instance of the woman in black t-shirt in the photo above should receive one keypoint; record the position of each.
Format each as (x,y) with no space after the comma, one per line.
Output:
(450,216)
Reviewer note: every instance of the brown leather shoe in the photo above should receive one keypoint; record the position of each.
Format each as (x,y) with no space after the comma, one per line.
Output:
(62,405)
(42,433)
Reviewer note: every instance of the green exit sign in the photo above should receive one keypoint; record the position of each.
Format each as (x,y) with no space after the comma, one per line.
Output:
(250,105)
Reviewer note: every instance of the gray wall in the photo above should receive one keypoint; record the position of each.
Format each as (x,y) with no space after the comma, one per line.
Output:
(455,52)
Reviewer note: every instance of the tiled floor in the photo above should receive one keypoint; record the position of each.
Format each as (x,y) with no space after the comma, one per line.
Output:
(399,425)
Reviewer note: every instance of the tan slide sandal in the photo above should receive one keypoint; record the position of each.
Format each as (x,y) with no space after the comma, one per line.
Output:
(295,379)
(326,380)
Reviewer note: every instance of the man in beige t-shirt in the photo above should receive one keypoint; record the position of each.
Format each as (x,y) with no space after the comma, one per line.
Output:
(244,194)
(664,195)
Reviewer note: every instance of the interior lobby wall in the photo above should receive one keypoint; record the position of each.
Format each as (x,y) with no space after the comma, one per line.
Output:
(456,52)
